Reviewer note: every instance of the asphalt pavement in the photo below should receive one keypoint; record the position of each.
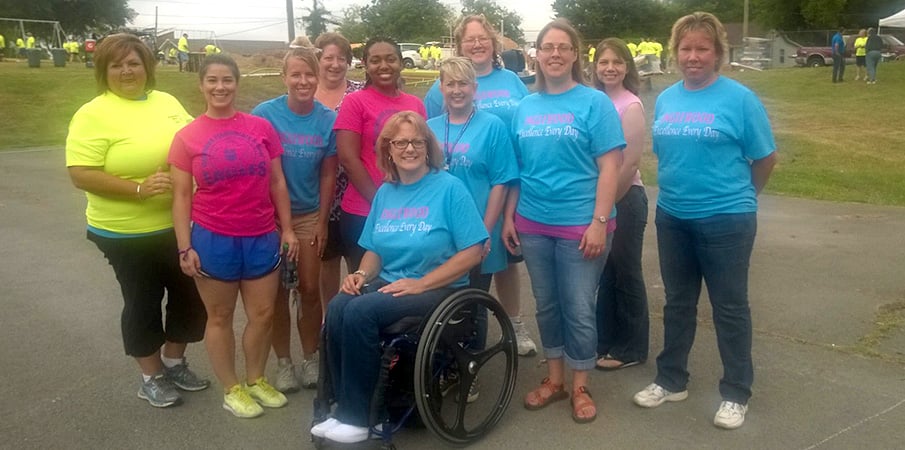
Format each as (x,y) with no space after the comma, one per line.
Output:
(824,277)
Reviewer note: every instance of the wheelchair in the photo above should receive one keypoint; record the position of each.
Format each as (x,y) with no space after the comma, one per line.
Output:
(428,366)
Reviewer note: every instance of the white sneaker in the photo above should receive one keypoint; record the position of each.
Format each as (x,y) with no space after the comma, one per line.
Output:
(320,430)
(309,372)
(285,380)
(730,416)
(526,346)
(347,434)
(654,395)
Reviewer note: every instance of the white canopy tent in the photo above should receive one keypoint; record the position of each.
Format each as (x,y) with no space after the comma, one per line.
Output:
(896,20)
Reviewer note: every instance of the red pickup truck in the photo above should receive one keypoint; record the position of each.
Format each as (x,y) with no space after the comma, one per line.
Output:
(821,56)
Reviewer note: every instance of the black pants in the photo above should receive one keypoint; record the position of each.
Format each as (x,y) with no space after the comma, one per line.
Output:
(146,267)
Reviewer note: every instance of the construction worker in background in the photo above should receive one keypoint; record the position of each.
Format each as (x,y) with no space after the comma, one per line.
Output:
(211,49)
(183,51)
(592,51)
(29,40)
(2,47)
(658,50)
(20,48)
(424,52)
(172,55)
(436,54)
(632,47)
(646,48)
(72,48)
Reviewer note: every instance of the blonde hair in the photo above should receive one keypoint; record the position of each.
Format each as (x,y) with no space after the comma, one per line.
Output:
(459,34)
(300,42)
(308,55)
(435,158)
(709,25)
(458,68)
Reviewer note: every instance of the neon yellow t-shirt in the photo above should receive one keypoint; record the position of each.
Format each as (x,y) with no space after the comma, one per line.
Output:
(30,42)
(2,42)
(591,52)
(633,49)
(861,46)
(20,43)
(129,139)
(183,45)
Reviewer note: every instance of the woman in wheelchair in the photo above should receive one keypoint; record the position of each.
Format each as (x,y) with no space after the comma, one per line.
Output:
(423,235)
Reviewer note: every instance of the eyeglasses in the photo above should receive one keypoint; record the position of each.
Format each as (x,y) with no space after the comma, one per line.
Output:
(484,40)
(402,144)
(563,48)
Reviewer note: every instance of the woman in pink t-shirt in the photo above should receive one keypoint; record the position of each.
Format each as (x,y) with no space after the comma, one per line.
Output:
(357,127)
(623,321)
(226,232)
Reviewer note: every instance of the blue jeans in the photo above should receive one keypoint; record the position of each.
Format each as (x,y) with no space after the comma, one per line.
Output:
(873,58)
(565,289)
(838,67)
(353,325)
(623,322)
(716,249)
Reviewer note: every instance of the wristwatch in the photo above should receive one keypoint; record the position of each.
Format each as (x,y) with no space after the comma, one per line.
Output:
(362,273)
(602,219)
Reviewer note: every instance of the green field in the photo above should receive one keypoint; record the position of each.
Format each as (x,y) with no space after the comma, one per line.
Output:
(842,142)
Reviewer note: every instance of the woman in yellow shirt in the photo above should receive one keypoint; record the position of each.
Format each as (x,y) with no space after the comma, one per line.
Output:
(860,54)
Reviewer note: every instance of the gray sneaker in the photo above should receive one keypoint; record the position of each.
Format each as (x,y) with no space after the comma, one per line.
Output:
(185,379)
(159,392)
(309,371)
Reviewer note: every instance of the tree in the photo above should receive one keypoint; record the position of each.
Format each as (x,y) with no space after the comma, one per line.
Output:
(351,26)
(599,19)
(317,19)
(407,20)
(75,16)
(497,16)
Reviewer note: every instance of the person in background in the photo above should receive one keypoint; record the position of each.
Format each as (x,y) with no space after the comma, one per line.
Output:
(332,88)
(424,52)
(860,55)
(211,49)
(116,152)
(499,92)
(532,58)
(72,46)
(305,127)
(2,47)
(591,55)
(228,186)
(623,322)
(568,141)
(29,40)
(436,55)
(838,45)
(632,47)
(874,47)
(20,48)
(401,274)
(709,174)
(357,126)
(183,51)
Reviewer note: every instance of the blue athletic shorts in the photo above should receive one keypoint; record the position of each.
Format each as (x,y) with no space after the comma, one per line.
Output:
(234,258)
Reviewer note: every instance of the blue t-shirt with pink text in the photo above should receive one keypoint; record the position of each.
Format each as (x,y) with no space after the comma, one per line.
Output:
(705,141)
(417,227)
(307,140)
(499,92)
(481,155)
(558,138)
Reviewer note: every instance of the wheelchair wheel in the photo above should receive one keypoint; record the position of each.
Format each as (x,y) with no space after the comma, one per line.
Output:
(448,351)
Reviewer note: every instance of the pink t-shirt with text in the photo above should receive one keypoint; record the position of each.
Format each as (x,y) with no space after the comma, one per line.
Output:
(230,160)
(364,112)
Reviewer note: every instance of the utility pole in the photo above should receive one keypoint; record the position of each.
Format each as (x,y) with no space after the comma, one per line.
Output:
(745,21)
(155,29)
(290,20)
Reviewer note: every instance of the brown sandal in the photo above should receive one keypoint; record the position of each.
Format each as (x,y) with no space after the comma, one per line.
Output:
(581,399)
(545,394)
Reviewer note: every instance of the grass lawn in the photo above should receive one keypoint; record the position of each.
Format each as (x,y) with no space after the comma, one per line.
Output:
(840,142)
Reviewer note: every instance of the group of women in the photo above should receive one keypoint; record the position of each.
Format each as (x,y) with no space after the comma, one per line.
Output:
(430,206)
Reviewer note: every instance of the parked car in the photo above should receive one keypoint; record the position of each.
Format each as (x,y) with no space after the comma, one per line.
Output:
(823,56)
(410,56)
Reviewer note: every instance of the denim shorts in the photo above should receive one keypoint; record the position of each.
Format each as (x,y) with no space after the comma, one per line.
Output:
(234,258)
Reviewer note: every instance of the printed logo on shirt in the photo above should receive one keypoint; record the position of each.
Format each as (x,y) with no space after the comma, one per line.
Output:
(403,220)
(304,146)
(492,99)
(695,125)
(231,154)
(549,125)
(457,155)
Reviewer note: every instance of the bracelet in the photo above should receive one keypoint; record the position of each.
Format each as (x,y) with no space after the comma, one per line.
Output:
(183,252)
(138,191)
(362,273)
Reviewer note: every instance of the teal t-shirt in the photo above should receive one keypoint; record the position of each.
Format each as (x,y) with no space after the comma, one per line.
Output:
(705,141)
(417,227)
(558,138)
(499,92)
(482,158)
(307,140)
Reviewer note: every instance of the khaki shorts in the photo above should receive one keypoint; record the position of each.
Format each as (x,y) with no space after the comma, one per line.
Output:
(303,225)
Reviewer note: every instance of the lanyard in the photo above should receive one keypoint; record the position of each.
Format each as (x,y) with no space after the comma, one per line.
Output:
(446,148)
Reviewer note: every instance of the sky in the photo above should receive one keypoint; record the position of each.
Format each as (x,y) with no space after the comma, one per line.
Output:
(266,19)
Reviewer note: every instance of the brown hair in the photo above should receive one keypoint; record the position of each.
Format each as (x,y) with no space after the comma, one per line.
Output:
(308,55)
(338,40)
(459,34)
(116,47)
(706,23)
(435,158)
(221,59)
(564,26)
(632,81)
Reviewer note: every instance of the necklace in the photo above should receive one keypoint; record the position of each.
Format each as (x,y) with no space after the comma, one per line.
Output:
(446,148)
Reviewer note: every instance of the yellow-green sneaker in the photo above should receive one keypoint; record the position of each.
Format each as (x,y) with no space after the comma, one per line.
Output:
(265,394)
(238,401)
